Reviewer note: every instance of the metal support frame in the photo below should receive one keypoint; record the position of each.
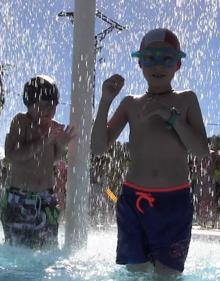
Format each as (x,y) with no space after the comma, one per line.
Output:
(100,36)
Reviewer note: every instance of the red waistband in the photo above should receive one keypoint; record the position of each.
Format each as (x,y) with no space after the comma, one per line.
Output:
(157,189)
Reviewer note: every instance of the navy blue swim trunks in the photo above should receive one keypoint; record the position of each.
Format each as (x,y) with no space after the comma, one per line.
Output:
(154,224)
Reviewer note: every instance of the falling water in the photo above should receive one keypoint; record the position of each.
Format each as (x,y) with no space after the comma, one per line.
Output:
(35,40)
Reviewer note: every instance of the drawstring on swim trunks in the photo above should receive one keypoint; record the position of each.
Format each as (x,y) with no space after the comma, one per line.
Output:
(143,193)
(144,196)
(38,204)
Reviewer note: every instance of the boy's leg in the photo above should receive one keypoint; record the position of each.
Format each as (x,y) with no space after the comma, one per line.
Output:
(141,267)
(148,267)
(164,270)
(51,236)
(170,237)
(132,244)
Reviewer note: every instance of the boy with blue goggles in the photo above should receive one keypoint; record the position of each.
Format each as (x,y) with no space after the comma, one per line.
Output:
(166,57)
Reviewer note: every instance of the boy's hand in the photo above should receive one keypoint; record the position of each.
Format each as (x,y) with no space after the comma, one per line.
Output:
(58,134)
(112,86)
(62,136)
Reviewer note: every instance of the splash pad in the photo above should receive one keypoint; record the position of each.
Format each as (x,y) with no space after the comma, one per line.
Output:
(97,261)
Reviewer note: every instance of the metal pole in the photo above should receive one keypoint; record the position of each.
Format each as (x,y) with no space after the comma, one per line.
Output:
(81,116)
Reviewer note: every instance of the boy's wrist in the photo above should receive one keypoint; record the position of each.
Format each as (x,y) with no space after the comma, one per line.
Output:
(174,115)
(106,100)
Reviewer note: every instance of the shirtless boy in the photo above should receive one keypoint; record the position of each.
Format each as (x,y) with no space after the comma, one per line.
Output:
(35,141)
(154,211)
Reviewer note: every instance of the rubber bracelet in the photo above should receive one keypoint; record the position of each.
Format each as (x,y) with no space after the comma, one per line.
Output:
(174,114)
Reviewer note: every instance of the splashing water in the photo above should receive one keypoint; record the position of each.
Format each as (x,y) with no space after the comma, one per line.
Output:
(97,262)
(35,40)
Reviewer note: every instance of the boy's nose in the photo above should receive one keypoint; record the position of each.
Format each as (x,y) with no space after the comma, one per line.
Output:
(47,106)
(158,66)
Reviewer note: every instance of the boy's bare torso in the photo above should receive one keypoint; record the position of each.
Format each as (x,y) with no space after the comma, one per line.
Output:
(158,157)
(36,173)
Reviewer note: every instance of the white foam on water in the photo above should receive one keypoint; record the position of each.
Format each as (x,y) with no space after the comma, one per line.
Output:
(97,262)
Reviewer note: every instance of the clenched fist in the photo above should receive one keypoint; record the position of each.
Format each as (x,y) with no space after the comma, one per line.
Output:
(112,86)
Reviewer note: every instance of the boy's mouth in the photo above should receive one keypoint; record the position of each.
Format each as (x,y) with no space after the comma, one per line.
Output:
(158,75)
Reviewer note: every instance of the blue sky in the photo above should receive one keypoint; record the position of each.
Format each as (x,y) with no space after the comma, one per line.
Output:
(35,41)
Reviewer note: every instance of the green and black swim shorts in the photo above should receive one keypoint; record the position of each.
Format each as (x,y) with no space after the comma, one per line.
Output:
(29,218)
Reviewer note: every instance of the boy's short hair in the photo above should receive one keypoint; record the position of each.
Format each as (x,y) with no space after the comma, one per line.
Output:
(160,35)
(41,87)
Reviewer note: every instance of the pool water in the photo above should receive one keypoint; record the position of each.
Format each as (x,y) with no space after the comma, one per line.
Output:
(97,262)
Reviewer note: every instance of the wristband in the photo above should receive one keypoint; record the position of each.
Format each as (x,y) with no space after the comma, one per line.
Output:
(174,114)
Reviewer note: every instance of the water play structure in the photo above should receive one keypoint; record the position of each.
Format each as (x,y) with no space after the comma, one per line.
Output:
(81,119)
(197,26)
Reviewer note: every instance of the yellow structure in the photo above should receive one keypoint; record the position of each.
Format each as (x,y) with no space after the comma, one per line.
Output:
(111,194)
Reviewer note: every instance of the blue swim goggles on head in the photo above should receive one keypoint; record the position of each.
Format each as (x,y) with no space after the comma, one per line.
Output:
(164,56)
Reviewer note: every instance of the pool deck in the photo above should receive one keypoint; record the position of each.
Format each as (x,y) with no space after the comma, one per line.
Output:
(205,234)
(198,233)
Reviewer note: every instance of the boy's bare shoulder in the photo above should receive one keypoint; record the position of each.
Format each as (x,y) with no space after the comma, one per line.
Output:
(187,96)
(56,124)
(130,99)
(18,126)
(20,118)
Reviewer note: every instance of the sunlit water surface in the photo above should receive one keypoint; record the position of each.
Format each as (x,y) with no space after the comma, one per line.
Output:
(97,262)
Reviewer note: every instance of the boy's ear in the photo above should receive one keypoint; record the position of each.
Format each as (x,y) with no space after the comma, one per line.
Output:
(139,62)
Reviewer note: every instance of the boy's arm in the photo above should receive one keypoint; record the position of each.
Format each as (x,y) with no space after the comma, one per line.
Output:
(60,148)
(16,149)
(62,137)
(192,131)
(104,133)
(60,151)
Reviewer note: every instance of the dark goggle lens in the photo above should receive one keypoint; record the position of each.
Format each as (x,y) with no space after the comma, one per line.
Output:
(164,56)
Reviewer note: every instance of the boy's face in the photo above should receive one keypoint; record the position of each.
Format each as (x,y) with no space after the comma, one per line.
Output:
(42,111)
(159,65)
